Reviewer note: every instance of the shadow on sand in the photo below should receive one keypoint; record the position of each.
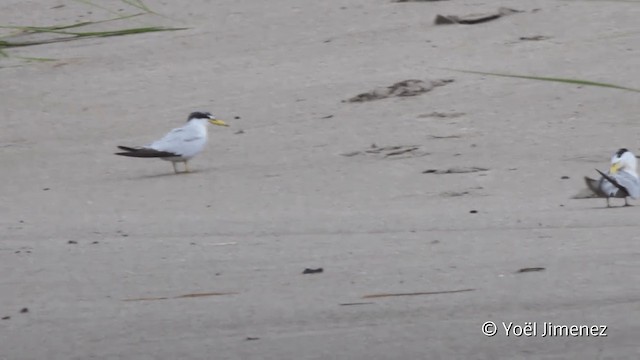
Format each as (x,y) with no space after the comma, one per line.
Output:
(171,174)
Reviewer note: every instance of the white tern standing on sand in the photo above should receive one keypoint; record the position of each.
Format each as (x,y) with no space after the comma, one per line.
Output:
(180,144)
(621,181)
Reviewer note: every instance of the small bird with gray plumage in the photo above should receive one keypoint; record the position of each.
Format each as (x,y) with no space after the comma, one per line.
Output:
(180,144)
(621,181)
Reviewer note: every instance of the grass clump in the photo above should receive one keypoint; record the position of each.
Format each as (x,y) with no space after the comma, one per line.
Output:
(62,33)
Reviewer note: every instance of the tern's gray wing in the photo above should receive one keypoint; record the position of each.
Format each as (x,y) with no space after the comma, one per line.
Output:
(182,141)
(621,184)
(629,182)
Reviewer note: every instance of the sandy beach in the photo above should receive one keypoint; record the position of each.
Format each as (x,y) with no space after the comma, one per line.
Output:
(105,257)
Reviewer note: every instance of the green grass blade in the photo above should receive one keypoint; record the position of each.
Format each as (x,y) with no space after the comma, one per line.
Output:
(125,31)
(36,29)
(138,4)
(41,29)
(12,44)
(142,6)
(38,59)
(554,79)
(76,35)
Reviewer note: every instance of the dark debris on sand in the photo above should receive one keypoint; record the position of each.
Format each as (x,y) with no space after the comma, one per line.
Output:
(456,170)
(392,152)
(474,18)
(313,271)
(399,89)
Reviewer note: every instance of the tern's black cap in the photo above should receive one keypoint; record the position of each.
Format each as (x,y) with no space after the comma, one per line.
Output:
(199,115)
(621,151)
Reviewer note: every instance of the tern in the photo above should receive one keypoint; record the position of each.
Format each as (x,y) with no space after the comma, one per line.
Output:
(622,180)
(180,144)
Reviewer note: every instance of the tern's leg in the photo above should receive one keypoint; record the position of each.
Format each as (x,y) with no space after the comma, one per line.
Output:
(175,169)
(186,167)
(608,205)
(626,203)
